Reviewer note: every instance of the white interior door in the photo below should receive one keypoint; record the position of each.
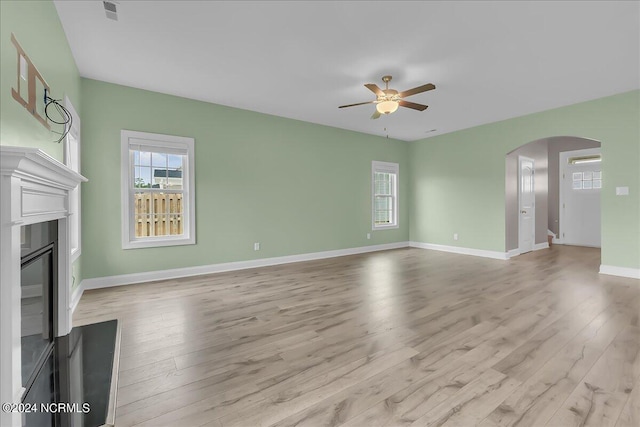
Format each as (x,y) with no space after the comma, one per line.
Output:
(526,205)
(581,184)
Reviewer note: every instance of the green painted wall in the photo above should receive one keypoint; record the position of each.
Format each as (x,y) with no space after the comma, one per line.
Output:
(458,179)
(37,28)
(295,187)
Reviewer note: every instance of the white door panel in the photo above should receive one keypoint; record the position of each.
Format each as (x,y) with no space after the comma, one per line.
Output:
(526,203)
(580,206)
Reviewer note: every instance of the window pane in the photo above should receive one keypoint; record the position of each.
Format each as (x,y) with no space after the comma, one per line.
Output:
(586,185)
(577,185)
(160,225)
(143,225)
(159,160)
(577,176)
(145,158)
(142,203)
(175,161)
(175,203)
(586,175)
(175,225)
(597,183)
(159,203)
(174,179)
(159,177)
(383,203)
(142,177)
(383,210)
(597,175)
(383,217)
(383,183)
(174,174)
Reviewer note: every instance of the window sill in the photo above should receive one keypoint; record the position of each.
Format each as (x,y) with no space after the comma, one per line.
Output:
(384,227)
(158,242)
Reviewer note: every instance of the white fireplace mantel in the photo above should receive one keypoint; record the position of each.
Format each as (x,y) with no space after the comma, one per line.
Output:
(34,187)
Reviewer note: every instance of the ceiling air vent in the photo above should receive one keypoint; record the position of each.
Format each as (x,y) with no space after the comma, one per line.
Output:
(110,10)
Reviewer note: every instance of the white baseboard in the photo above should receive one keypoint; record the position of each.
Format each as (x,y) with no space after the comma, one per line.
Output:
(539,246)
(460,250)
(149,276)
(76,295)
(31,291)
(513,252)
(612,270)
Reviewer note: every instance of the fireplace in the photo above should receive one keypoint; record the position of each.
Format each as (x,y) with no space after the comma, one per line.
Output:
(35,272)
(38,314)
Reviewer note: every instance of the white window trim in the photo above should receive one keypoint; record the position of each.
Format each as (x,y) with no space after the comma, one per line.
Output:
(385,167)
(129,241)
(68,151)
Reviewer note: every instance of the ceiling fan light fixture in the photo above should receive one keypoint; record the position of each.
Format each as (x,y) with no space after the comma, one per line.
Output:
(387,107)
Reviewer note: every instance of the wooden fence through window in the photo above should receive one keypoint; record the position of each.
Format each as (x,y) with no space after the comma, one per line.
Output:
(162,218)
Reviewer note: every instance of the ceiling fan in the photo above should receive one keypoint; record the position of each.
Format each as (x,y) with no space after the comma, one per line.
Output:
(388,100)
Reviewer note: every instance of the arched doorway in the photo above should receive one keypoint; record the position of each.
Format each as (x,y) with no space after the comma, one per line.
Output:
(546,182)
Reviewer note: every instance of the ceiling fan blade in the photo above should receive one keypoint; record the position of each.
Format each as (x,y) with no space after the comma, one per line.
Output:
(413,105)
(415,90)
(376,115)
(359,103)
(375,89)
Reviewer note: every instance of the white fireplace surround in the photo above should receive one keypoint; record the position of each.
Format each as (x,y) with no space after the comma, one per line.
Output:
(34,188)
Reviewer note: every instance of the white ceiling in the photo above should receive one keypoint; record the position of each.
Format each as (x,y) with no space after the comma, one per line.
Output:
(489,60)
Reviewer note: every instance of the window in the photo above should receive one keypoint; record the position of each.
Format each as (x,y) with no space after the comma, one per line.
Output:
(158,193)
(384,185)
(587,180)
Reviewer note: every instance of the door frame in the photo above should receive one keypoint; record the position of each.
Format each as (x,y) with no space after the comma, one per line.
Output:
(562,156)
(533,215)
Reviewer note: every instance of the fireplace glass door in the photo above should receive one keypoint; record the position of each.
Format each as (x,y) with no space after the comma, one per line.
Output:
(38,311)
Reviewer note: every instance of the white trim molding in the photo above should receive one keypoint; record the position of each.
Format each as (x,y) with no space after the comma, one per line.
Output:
(149,276)
(513,252)
(536,247)
(72,161)
(539,246)
(394,169)
(460,250)
(164,144)
(76,295)
(612,270)
(34,188)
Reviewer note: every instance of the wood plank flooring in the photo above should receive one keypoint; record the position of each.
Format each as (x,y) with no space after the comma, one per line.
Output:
(395,338)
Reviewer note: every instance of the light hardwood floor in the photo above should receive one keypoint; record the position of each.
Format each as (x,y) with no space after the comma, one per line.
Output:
(402,337)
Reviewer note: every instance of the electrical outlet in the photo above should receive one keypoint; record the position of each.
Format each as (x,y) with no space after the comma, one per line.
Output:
(368,236)
(455,236)
(256,246)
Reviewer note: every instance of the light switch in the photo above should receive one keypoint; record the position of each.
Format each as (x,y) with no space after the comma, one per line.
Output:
(622,191)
